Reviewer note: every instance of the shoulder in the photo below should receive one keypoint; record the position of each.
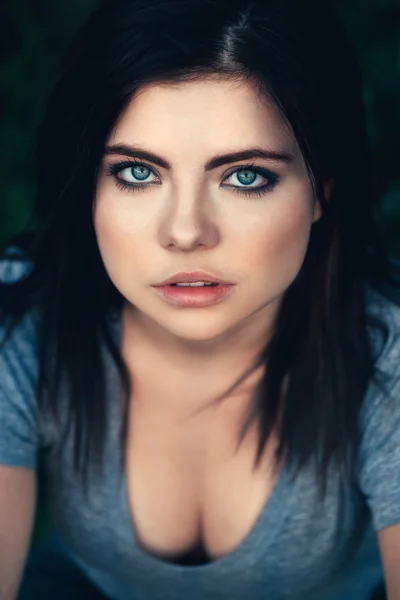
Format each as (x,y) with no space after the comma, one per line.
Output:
(383,392)
(384,335)
(21,341)
(18,345)
(18,377)
(13,265)
(379,457)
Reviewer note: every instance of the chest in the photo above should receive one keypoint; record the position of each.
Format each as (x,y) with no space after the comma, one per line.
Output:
(190,483)
(187,482)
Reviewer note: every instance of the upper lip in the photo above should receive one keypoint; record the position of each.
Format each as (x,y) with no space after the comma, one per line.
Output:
(191,277)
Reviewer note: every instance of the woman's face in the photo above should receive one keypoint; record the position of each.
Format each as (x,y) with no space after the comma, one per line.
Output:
(248,226)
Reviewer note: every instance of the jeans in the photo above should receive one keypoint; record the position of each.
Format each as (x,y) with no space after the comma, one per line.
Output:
(50,574)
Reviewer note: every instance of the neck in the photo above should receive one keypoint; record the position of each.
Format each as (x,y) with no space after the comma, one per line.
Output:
(148,348)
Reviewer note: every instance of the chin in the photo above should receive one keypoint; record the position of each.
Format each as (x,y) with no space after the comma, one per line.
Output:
(197,328)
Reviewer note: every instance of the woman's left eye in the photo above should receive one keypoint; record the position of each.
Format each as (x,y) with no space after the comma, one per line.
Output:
(253,178)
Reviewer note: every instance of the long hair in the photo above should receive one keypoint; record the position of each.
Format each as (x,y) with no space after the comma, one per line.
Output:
(295,51)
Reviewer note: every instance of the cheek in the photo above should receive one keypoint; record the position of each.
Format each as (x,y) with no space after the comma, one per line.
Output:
(118,244)
(109,229)
(277,245)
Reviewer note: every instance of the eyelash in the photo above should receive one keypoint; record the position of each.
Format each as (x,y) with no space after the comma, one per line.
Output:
(114,169)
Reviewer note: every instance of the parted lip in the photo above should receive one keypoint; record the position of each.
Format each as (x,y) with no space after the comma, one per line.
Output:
(191,278)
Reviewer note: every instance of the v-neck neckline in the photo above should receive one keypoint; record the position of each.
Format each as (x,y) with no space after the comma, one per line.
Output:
(266,523)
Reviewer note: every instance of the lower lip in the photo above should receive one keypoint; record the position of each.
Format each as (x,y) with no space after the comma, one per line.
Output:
(194,297)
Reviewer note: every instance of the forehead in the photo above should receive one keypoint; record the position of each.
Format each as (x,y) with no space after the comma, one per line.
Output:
(210,110)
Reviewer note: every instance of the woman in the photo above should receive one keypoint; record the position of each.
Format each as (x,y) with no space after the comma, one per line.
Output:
(201,325)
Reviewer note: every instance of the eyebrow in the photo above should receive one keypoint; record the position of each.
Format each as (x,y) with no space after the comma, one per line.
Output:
(213,163)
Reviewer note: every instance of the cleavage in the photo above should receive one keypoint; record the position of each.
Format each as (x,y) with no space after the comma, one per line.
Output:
(193,496)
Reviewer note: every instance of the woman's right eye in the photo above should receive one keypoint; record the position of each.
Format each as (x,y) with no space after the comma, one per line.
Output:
(131,174)
(138,173)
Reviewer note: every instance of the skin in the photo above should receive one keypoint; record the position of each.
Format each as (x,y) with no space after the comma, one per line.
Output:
(192,220)
(182,490)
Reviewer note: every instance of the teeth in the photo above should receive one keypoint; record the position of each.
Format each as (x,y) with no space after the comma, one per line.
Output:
(194,284)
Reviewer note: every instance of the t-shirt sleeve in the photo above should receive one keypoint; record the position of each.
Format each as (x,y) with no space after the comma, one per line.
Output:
(18,407)
(379,466)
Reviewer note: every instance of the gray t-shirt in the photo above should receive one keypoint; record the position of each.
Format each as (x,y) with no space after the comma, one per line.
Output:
(297,548)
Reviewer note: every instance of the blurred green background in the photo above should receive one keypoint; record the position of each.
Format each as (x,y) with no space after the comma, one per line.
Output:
(35,33)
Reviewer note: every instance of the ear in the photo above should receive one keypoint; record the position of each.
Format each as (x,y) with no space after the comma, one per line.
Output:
(328,187)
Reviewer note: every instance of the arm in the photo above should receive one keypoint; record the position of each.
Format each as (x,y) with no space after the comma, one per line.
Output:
(17,511)
(389,543)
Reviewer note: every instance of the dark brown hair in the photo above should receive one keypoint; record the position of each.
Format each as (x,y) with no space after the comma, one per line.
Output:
(296,51)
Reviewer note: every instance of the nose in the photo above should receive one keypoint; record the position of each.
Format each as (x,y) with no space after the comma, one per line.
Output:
(188,223)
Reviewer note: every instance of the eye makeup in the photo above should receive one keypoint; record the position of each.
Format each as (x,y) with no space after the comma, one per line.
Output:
(115,169)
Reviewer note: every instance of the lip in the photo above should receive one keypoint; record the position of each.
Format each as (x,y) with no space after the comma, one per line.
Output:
(191,277)
(194,297)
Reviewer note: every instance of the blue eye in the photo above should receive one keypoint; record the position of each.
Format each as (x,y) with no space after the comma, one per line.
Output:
(247,175)
(134,175)
(140,173)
